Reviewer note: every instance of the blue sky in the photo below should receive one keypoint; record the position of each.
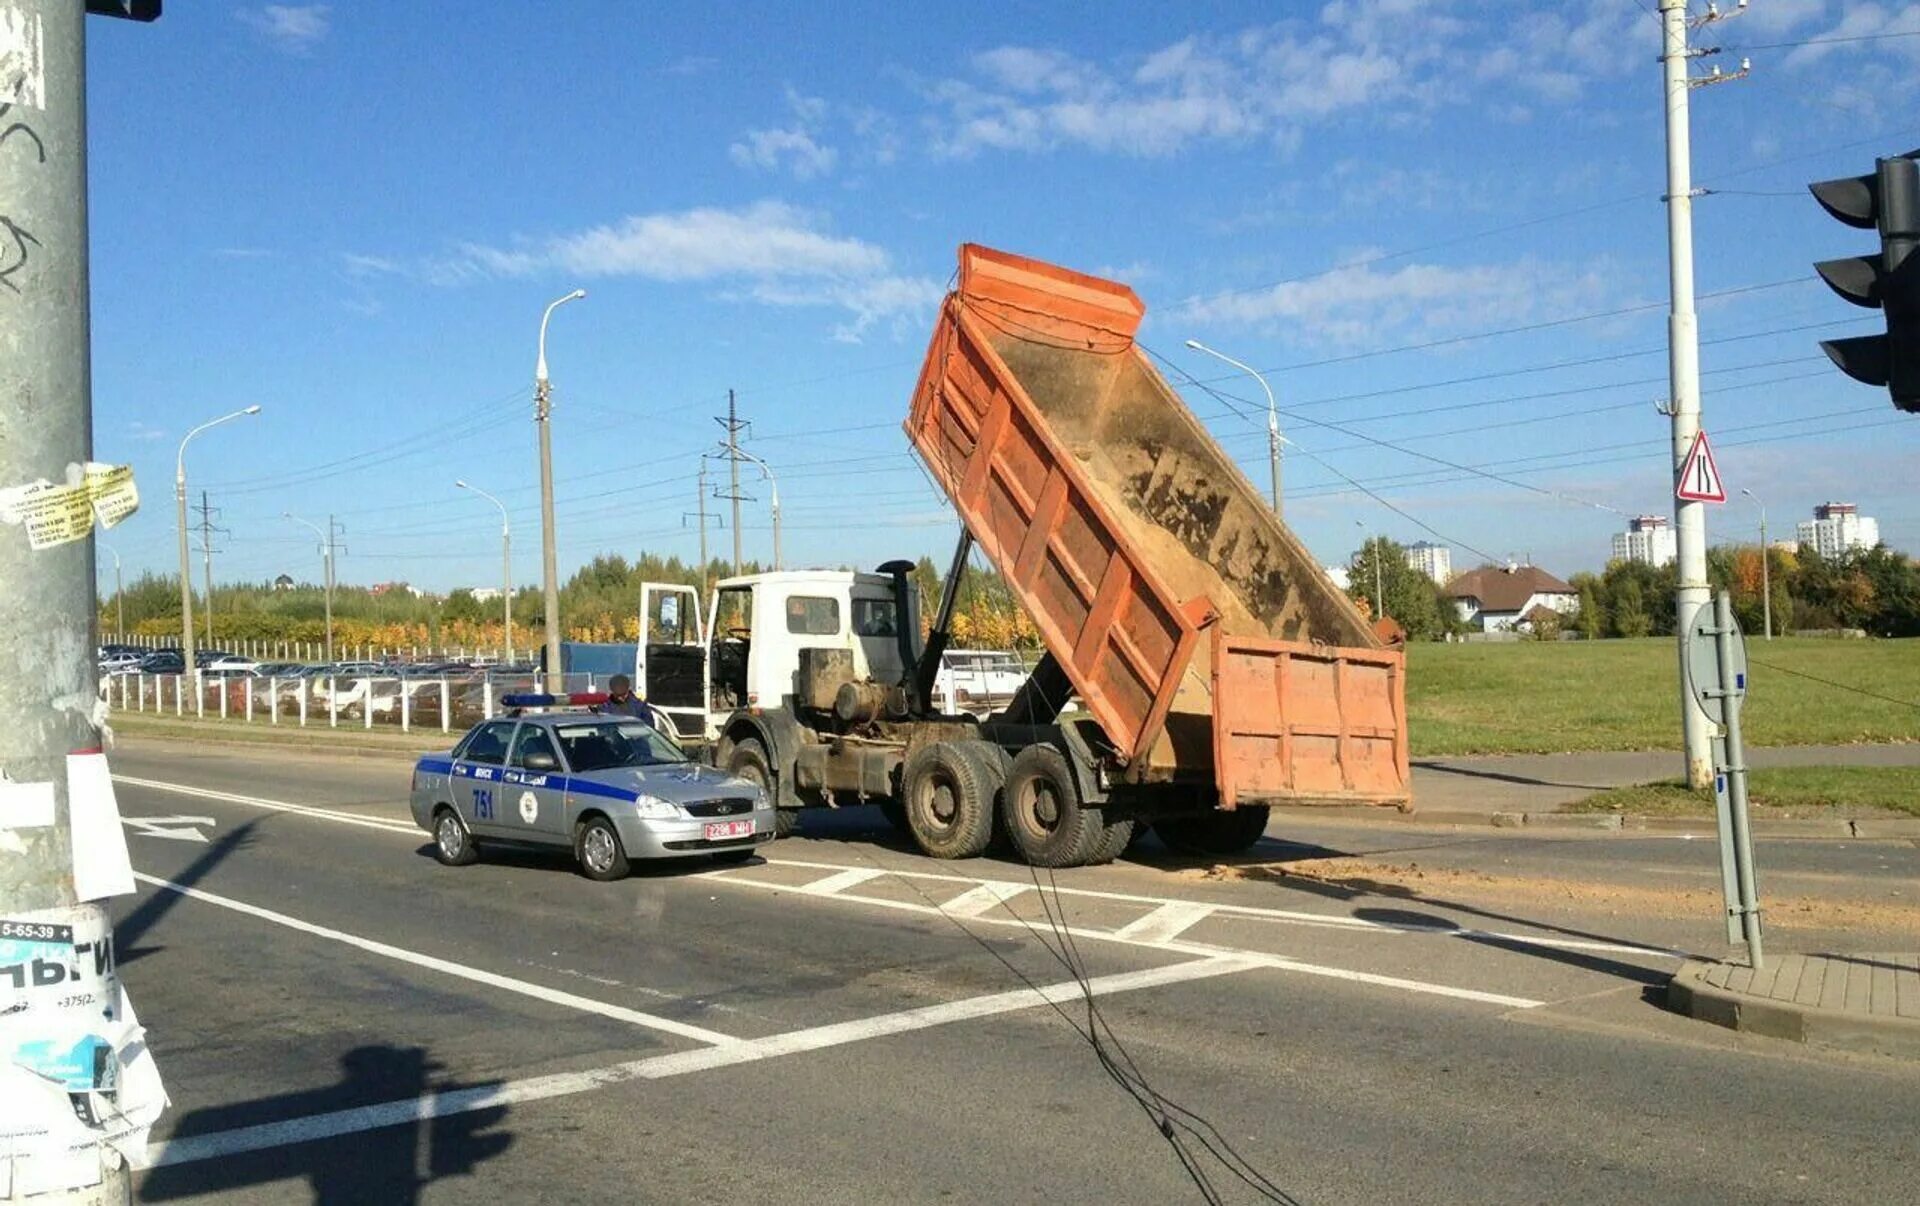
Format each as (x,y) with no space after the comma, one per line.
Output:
(353,215)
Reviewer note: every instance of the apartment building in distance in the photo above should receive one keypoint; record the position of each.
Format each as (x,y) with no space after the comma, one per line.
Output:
(1837,528)
(1433,560)
(1648,539)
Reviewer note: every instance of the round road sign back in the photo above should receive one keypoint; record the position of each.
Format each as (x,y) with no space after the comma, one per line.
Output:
(1703,666)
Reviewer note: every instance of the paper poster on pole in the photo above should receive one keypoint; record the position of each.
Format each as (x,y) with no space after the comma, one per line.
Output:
(101,866)
(1699,479)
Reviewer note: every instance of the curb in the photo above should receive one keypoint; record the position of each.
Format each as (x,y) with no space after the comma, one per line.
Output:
(1776,827)
(1689,993)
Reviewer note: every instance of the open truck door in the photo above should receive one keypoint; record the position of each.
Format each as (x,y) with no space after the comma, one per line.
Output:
(670,665)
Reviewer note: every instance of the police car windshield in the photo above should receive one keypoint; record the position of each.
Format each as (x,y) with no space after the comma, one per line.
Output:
(603,745)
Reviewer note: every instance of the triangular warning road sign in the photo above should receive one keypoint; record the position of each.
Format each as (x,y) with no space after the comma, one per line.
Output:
(1699,479)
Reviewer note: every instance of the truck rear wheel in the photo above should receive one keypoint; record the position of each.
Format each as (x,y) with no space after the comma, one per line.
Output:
(1045,818)
(1116,839)
(1222,832)
(949,804)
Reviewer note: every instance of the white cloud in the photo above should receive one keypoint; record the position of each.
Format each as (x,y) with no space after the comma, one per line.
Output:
(369,265)
(792,150)
(769,252)
(295,28)
(1366,303)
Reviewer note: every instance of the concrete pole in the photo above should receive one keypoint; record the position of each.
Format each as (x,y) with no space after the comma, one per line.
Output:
(119,593)
(48,614)
(1683,351)
(1766,570)
(773,488)
(703,525)
(506,561)
(326,568)
(1274,439)
(549,559)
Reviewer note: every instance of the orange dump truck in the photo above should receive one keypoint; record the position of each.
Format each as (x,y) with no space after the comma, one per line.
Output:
(1216,667)
(1200,667)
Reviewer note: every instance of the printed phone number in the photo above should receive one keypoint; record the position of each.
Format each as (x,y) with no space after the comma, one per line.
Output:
(34,931)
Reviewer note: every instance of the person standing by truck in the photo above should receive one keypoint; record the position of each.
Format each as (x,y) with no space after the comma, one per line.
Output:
(621,701)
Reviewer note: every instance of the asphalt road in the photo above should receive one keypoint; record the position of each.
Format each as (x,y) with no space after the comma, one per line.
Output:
(339,1017)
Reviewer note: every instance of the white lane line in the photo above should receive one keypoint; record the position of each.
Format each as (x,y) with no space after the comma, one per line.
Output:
(324,814)
(539,992)
(1167,922)
(984,898)
(852,877)
(1277,962)
(1284,916)
(657,1067)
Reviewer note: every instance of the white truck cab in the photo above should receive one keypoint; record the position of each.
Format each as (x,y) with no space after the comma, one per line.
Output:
(744,649)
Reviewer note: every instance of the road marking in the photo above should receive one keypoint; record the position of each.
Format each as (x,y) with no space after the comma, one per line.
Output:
(1167,922)
(1277,962)
(179,829)
(983,898)
(831,884)
(1259,913)
(539,992)
(658,1067)
(325,814)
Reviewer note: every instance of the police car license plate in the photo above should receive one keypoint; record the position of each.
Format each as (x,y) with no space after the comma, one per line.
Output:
(716,830)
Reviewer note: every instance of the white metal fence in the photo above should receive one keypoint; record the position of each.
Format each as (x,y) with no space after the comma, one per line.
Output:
(439,703)
(313,651)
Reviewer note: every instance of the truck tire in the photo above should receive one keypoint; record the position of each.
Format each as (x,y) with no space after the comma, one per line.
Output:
(949,807)
(1221,832)
(1114,842)
(995,765)
(748,760)
(1045,819)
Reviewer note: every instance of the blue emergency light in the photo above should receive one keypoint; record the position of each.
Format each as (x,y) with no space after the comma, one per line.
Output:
(541,699)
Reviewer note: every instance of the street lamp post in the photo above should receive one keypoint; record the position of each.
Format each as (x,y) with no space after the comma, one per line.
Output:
(1766,568)
(506,562)
(1273,414)
(119,594)
(326,568)
(187,663)
(549,563)
(773,487)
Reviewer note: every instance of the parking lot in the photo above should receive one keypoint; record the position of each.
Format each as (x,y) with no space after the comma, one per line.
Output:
(336,1014)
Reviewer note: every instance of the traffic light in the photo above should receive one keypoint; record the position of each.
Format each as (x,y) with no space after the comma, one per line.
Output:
(1889,201)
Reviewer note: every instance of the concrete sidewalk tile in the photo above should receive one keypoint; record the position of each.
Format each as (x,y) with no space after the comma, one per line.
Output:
(1794,994)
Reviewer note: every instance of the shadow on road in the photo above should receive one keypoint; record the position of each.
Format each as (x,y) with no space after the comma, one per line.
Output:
(134,926)
(388,1164)
(1472,772)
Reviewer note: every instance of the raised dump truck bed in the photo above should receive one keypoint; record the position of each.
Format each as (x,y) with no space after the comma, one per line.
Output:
(1198,631)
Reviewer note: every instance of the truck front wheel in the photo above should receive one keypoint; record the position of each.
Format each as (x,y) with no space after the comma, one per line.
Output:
(949,808)
(1224,832)
(1045,818)
(748,760)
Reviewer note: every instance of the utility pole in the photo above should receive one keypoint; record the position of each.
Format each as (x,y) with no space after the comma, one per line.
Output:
(549,558)
(49,615)
(733,425)
(703,525)
(119,593)
(1683,361)
(1766,570)
(326,566)
(1274,438)
(207,531)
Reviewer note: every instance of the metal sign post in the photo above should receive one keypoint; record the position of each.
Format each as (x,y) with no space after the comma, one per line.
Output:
(1717,677)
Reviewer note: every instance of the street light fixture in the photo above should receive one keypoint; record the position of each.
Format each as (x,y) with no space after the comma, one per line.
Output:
(1273,414)
(188,665)
(1766,568)
(773,487)
(549,565)
(506,562)
(326,568)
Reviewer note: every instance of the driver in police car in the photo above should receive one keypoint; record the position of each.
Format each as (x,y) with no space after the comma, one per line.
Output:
(621,701)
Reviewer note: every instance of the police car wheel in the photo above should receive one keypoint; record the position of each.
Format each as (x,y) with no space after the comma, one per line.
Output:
(452,842)
(596,845)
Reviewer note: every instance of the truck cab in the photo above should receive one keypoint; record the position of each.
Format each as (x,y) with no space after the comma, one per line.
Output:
(746,647)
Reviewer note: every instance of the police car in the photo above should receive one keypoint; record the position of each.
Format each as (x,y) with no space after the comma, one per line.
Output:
(610,788)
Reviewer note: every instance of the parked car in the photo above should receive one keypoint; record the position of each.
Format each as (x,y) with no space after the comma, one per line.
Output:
(229,666)
(610,788)
(162,661)
(977,680)
(119,663)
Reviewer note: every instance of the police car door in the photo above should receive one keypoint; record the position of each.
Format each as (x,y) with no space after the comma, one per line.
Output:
(476,775)
(533,788)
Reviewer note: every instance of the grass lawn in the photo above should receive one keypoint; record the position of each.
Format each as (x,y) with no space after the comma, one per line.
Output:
(1550,697)
(1842,790)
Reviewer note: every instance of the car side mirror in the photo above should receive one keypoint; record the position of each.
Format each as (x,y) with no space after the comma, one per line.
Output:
(538,761)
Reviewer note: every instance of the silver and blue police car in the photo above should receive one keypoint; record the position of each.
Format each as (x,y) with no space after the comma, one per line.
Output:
(610,788)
